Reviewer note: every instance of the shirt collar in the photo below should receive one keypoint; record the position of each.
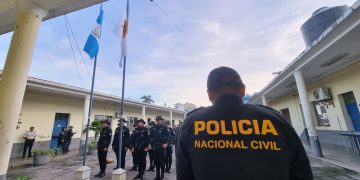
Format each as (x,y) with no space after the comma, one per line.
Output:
(229,99)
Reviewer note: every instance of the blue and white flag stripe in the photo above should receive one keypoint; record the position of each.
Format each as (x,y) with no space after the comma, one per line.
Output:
(92,43)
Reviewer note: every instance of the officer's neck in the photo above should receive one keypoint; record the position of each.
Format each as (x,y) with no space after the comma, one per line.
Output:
(228,98)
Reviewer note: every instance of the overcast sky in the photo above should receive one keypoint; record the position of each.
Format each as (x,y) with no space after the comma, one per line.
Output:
(170,63)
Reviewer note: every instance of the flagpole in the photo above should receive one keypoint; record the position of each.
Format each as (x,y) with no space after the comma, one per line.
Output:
(121,115)
(89,114)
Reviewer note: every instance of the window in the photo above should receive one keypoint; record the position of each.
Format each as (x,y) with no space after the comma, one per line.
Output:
(321,114)
(132,120)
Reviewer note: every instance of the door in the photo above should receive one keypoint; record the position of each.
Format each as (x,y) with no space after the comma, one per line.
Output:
(286,113)
(352,109)
(61,120)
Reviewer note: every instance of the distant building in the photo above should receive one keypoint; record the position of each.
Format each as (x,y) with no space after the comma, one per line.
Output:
(179,106)
(319,92)
(185,107)
(49,106)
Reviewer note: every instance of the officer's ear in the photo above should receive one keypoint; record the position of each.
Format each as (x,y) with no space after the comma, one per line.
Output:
(211,96)
(242,90)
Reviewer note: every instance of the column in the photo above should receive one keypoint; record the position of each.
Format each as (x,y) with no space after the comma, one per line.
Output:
(264,102)
(314,140)
(171,119)
(144,113)
(84,123)
(14,76)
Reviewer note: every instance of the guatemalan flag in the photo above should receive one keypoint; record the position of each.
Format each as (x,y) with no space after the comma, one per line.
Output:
(92,43)
(121,30)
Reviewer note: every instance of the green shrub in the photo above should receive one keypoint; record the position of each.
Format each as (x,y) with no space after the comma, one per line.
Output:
(24,178)
(50,152)
(92,145)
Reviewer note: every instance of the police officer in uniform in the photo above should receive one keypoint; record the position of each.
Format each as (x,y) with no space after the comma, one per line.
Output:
(169,149)
(125,142)
(141,146)
(102,146)
(151,151)
(132,144)
(60,141)
(160,137)
(231,140)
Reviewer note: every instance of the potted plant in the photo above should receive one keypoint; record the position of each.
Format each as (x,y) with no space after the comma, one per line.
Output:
(43,155)
(96,127)
(92,148)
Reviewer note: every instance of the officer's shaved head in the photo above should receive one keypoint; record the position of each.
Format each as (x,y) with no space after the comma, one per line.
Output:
(224,80)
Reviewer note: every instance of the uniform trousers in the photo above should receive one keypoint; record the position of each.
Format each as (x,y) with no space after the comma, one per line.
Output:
(102,158)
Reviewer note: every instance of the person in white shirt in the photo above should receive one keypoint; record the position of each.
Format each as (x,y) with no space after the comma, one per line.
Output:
(29,137)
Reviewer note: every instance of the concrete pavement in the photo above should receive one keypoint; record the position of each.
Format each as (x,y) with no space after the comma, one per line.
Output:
(64,169)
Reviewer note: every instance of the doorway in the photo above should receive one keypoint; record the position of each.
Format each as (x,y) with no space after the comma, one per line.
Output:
(286,113)
(61,120)
(352,110)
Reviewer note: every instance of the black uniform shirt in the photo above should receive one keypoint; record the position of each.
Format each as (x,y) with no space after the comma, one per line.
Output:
(141,138)
(159,135)
(172,136)
(61,136)
(125,137)
(105,137)
(68,135)
(232,140)
(150,138)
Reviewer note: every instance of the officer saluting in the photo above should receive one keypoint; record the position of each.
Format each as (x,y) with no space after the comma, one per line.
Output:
(125,142)
(231,140)
(141,144)
(160,139)
(102,146)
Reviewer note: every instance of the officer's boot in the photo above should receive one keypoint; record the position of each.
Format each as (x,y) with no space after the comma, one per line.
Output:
(138,176)
(158,177)
(102,174)
(151,168)
(134,168)
(98,174)
(162,174)
(142,175)
(169,166)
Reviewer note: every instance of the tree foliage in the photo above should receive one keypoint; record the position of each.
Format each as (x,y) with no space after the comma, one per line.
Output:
(147,99)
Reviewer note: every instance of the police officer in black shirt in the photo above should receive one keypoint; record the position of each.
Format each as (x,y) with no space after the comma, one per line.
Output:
(169,149)
(67,138)
(141,146)
(151,151)
(133,154)
(231,140)
(60,140)
(102,146)
(160,139)
(125,142)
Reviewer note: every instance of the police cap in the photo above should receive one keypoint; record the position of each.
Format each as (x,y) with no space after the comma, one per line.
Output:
(140,120)
(157,118)
(106,121)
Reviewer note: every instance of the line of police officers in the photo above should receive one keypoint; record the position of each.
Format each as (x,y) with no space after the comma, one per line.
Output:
(157,140)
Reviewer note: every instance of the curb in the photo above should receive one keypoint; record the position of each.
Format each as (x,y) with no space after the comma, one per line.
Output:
(331,162)
(25,163)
